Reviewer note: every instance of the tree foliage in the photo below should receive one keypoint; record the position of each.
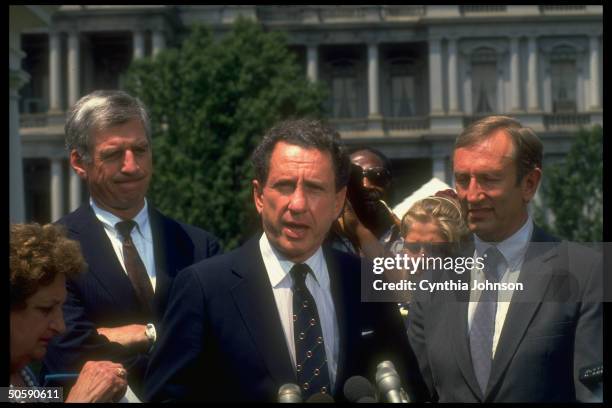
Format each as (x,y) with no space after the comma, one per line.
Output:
(210,102)
(573,192)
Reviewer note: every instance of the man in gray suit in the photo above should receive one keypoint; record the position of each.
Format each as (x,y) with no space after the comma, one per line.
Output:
(509,345)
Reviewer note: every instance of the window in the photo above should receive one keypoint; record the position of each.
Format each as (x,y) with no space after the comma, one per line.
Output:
(563,79)
(484,81)
(344,89)
(402,87)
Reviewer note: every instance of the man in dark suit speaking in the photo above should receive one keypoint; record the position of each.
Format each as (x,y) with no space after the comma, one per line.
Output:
(281,308)
(509,345)
(132,250)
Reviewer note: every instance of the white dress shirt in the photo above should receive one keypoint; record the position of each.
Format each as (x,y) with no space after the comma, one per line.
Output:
(513,250)
(278,268)
(141,236)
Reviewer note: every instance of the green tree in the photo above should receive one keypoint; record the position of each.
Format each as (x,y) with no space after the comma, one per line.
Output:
(573,192)
(210,102)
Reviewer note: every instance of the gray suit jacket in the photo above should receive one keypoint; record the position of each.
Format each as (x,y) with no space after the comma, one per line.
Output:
(553,329)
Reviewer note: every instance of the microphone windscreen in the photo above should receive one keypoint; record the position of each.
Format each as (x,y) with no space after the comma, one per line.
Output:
(358,387)
(366,399)
(320,398)
(289,393)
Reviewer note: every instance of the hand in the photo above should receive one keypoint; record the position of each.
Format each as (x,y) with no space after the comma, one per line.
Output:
(99,381)
(132,335)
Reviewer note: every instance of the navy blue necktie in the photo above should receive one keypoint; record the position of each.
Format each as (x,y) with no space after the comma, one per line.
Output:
(311,361)
(483,322)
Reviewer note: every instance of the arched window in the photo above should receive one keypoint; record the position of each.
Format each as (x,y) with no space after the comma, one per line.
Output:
(344,89)
(484,80)
(402,87)
(563,78)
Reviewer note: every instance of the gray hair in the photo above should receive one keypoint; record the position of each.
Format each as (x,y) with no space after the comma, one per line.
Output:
(101,110)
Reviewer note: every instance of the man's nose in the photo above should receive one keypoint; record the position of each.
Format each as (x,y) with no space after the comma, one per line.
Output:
(297,202)
(474,192)
(130,164)
(366,183)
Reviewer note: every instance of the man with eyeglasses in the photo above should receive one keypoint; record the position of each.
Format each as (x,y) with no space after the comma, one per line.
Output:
(367,226)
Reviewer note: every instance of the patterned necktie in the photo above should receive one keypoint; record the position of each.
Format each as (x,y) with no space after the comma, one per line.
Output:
(134,267)
(311,361)
(483,322)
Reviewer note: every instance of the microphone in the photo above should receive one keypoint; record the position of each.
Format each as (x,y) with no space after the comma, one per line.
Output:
(290,393)
(320,398)
(357,387)
(388,384)
(388,365)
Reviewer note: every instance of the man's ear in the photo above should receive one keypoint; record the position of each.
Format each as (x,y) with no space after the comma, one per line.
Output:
(258,196)
(76,162)
(530,183)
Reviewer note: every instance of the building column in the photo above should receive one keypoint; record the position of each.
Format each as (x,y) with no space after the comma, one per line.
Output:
(74,69)
(533,104)
(594,72)
(17,77)
(55,77)
(138,44)
(75,190)
(373,96)
(515,100)
(312,64)
(159,42)
(439,168)
(435,77)
(453,81)
(57,190)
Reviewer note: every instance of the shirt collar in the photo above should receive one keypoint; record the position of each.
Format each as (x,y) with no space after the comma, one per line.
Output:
(110,220)
(282,266)
(512,248)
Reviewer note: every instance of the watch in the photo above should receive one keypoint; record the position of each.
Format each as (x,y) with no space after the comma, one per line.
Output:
(150,333)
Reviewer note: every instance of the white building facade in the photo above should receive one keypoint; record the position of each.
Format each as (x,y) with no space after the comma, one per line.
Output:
(403,79)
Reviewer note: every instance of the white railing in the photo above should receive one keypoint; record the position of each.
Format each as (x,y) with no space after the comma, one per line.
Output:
(342,13)
(562,9)
(399,12)
(565,120)
(482,9)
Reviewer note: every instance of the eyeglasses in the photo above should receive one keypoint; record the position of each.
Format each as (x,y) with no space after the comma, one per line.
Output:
(378,176)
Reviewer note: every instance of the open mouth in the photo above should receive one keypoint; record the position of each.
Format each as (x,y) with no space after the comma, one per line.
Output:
(294,230)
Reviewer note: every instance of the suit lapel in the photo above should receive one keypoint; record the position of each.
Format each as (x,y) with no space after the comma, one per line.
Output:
(102,260)
(343,318)
(254,298)
(163,249)
(535,275)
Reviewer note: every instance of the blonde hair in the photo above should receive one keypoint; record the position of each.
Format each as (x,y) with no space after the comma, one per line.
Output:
(37,255)
(444,212)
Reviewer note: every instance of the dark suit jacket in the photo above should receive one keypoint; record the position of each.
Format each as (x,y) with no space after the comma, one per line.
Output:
(552,329)
(103,296)
(222,338)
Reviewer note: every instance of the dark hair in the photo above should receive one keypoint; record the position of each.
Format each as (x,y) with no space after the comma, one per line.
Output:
(308,133)
(37,255)
(100,110)
(527,146)
(385,160)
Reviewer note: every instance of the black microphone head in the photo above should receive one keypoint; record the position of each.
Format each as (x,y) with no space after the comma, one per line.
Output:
(320,398)
(358,387)
(366,399)
(289,393)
